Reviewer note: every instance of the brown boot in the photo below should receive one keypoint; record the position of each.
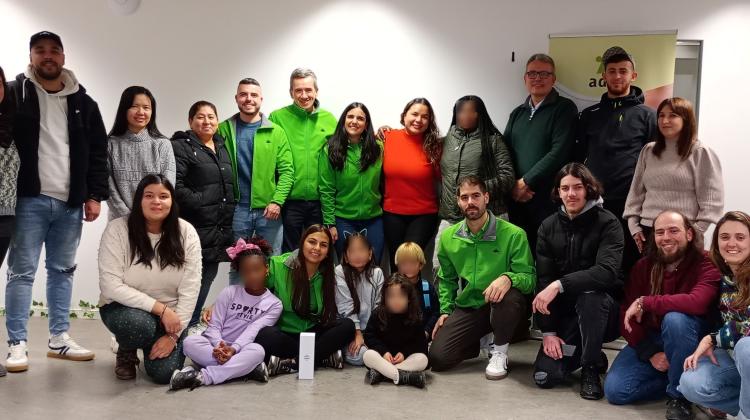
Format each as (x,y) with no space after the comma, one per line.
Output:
(126,364)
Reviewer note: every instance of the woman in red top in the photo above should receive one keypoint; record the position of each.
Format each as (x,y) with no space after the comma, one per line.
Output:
(411,170)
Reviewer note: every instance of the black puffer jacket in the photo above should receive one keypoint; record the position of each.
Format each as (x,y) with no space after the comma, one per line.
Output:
(583,253)
(204,192)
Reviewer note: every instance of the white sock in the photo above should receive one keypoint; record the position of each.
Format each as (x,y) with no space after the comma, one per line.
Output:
(501,349)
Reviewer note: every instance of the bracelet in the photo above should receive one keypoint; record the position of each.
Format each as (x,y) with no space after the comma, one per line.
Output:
(639,304)
(713,339)
(174,340)
(164,309)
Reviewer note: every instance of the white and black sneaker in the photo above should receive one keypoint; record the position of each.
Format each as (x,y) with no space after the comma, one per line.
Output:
(277,366)
(62,346)
(335,360)
(185,378)
(18,357)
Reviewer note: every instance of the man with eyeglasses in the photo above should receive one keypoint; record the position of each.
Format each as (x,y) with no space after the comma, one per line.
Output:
(611,135)
(540,135)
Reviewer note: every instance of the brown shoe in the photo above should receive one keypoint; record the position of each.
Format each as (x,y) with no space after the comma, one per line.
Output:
(126,364)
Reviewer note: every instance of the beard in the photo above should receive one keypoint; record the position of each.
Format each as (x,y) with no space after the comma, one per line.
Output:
(473,213)
(676,256)
(49,75)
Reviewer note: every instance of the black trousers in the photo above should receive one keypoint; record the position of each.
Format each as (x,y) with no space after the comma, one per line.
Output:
(6,232)
(298,215)
(586,321)
(328,339)
(529,215)
(400,228)
(630,254)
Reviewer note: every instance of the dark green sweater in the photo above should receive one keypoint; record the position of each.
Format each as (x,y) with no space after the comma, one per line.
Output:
(542,144)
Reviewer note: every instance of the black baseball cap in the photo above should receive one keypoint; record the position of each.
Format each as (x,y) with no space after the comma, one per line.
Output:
(615,55)
(45,35)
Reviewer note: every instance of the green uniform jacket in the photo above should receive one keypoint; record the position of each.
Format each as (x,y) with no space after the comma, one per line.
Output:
(350,193)
(501,248)
(307,133)
(272,160)
(280,282)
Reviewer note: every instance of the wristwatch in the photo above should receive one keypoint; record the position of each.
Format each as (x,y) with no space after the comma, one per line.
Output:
(713,339)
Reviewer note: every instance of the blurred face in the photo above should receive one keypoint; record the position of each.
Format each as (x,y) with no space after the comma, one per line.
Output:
(539,78)
(734,243)
(358,254)
(396,300)
(315,247)
(573,194)
(619,76)
(204,122)
(410,267)
(249,99)
(670,124)
(304,93)
(156,203)
(417,119)
(671,237)
(355,123)
(467,117)
(253,271)
(139,113)
(47,59)
(472,201)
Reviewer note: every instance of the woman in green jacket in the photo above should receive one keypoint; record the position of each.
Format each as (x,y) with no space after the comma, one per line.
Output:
(305,282)
(349,182)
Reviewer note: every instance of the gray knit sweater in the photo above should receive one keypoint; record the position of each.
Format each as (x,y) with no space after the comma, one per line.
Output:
(9,164)
(131,157)
(693,186)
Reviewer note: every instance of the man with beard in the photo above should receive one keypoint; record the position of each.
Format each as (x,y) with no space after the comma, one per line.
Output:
(667,302)
(62,180)
(611,135)
(486,268)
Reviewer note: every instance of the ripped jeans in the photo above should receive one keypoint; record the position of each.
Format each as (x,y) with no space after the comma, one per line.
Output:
(42,220)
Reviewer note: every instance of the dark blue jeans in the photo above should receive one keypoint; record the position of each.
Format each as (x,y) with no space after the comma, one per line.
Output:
(631,379)
(374,233)
(297,216)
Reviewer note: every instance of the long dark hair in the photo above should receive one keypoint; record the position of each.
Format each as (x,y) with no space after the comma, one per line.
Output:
(652,252)
(488,132)
(351,275)
(689,133)
(594,188)
(120,127)
(7,113)
(301,282)
(431,142)
(339,141)
(170,249)
(742,277)
(413,310)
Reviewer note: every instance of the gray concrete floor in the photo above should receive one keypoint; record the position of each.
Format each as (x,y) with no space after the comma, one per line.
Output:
(59,389)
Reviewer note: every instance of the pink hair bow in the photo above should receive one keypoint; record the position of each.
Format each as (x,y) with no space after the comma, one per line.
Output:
(240,246)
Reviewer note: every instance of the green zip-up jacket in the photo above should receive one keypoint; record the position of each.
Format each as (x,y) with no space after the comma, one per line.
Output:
(273,170)
(307,133)
(499,248)
(350,193)
(279,281)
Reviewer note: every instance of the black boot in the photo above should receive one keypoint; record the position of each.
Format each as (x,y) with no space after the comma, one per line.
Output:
(373,377)
(335,361)
(185,378)
(591,383)
(603,363)
(126,364)
(260,373)
(679,409)
(277,366)
(416,379)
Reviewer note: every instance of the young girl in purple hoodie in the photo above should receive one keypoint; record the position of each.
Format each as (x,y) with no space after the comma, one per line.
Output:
(226,350)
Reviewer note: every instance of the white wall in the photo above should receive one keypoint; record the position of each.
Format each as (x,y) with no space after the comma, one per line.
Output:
(382,53)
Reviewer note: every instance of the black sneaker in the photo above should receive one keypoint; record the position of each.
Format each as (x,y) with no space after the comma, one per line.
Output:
(591,383)
(185,378)
(603,364)
(277,366)
(335,361)
(260,373)
(679,409)
(373,377)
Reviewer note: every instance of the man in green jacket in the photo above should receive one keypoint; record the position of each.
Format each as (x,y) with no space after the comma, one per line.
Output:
(261,165)
(540,135)
(486,268)
(307,127)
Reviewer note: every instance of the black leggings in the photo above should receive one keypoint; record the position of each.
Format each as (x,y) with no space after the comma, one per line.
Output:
(6,232)
(328,339)
(401,228)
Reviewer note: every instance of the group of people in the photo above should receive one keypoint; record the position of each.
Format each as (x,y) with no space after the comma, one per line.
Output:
(590,224)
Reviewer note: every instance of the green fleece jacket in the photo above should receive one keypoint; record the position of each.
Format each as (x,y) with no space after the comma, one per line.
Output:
(272,161)
(279,281)
(499,248)
(350,193)
(307,133)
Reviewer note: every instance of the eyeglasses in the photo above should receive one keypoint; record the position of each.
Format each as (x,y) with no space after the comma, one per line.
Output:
(540,74)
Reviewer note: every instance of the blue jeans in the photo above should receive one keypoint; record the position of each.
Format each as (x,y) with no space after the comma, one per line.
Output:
(208,274)
(725,387)
(249,222)
(50,222)
(375,234)
(630,379)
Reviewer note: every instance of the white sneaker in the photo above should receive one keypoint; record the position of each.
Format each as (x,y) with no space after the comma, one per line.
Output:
(197,329)
(114,345)
(62,346)
(18,357)
(497,368)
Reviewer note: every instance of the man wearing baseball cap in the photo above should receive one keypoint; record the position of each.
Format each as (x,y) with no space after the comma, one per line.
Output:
(62,143)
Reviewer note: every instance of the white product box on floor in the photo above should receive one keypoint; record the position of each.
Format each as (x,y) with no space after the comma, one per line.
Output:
(306,355)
